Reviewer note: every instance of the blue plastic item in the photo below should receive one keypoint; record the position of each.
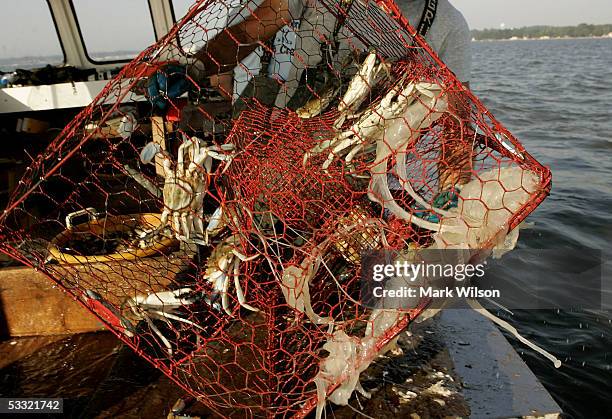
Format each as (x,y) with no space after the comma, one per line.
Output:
(444,200)
(168,82)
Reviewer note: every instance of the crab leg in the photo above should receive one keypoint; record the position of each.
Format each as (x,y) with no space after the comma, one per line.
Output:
(143,181)
(167,166)
(379,192)
(361,84)
(242,257)
(163,298)
(180,167)
(163,220)
(296,285)
(220,278)
(185,225)
(350,156)
(343,141)
(154,328)
(407,185)
(217,278)
(165,316)
(224,299)
(239,292)
(176,218)
(198,222)
(214,225)
(417,113)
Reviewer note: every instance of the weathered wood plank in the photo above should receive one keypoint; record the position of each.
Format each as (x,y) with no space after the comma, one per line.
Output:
(159,136)
(31,304)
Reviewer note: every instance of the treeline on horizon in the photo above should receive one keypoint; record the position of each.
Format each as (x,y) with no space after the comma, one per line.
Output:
(582,30)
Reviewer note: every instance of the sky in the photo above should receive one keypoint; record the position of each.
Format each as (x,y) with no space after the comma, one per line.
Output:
(26,27)
(516,13)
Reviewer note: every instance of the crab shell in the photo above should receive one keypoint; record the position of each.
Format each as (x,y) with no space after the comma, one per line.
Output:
(221,256)
(370,73)
(355,236)
(180,193)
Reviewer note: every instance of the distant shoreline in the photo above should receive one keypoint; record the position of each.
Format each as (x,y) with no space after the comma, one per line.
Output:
(541,32)
(544,38)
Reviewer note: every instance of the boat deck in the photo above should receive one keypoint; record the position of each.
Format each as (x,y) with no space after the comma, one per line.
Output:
(458,365)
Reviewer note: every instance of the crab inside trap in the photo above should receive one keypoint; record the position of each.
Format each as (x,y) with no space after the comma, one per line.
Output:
(270,208)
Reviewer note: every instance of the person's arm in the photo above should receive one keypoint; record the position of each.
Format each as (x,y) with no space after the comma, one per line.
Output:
(233,44)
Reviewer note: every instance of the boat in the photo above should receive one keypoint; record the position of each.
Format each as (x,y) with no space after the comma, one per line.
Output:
(33,306)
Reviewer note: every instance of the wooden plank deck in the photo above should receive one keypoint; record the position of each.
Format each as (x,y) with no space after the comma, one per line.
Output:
(33,305)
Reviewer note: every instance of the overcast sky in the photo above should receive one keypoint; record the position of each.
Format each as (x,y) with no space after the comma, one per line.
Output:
(107,25)
(514,13)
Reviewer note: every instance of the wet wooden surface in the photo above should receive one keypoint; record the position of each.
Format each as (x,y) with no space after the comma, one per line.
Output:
(95,374)
(447,367)
(100,378)
(31,304)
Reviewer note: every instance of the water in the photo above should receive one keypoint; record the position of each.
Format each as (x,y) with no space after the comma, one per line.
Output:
(9,64)
(556,97)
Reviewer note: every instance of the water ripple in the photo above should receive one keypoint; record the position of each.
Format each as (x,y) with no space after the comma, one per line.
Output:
(556,96)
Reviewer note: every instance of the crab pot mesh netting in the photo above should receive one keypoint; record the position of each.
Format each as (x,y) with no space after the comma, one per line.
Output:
(216,225)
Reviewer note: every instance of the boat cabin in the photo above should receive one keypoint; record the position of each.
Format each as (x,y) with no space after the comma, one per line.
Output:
(56,56)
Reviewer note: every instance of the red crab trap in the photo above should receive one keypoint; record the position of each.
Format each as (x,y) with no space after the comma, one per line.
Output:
(219,234)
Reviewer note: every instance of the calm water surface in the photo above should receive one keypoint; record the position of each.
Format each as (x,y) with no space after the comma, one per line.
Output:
(556,97)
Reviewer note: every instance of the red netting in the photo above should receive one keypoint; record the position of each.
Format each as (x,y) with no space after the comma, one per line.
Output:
(232,262)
